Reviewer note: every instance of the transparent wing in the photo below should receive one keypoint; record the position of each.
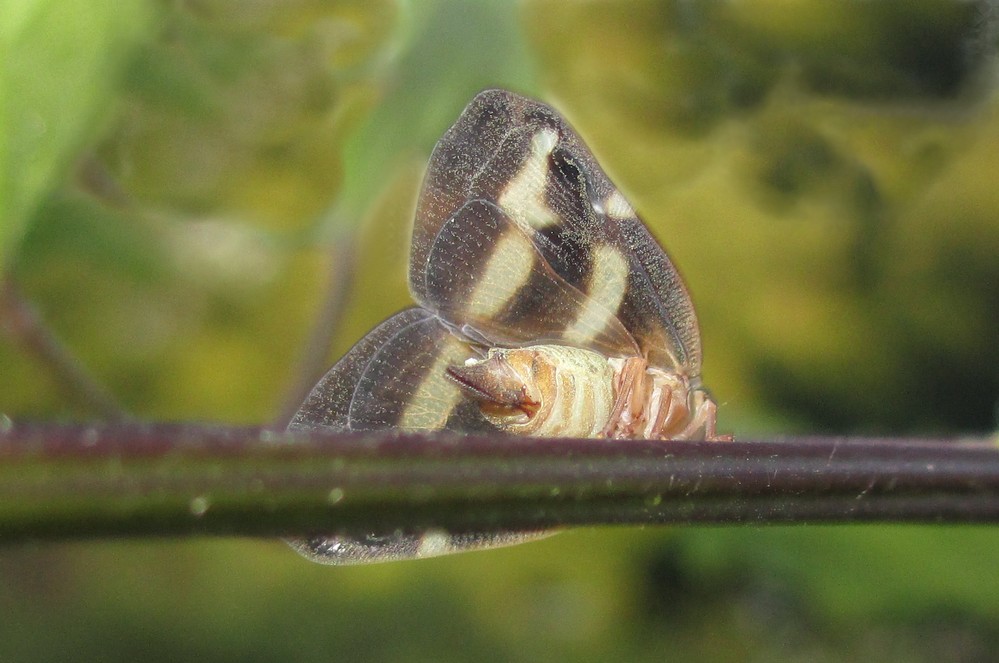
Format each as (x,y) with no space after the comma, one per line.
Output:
(344,550)
(522,157)
(394,378)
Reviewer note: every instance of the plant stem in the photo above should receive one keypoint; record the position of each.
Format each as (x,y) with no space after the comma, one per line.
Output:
(310,366)
(130,480)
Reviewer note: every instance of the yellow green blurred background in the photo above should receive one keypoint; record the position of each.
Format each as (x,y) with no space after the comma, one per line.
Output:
(179,177)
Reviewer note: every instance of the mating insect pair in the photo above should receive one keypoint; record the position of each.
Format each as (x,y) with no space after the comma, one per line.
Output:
(545,309)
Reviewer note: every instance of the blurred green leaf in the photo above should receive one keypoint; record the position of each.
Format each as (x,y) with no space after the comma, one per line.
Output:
(450,50)
(59,62)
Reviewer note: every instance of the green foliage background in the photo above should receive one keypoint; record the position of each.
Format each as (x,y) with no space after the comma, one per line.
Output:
(173,176)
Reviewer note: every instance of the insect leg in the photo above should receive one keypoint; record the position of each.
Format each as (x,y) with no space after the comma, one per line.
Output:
(672,411)
(704,419)
(629,397)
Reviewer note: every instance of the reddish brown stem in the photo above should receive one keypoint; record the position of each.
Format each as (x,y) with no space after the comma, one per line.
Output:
(130,480)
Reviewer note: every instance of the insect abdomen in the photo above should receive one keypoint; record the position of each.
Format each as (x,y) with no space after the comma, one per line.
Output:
(583,396)
(541,390)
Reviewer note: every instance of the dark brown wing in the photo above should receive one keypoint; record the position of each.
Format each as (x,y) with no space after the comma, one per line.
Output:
(522,157)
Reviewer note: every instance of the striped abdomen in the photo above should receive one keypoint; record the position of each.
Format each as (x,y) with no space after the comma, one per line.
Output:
(541,390)
(559,391)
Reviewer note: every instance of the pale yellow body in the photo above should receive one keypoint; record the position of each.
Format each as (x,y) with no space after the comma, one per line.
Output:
(560,391)
(557,391)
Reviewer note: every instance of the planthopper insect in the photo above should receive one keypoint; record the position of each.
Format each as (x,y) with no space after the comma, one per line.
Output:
(546,309)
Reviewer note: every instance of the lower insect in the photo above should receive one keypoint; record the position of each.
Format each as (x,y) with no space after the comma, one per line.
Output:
(545,309)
